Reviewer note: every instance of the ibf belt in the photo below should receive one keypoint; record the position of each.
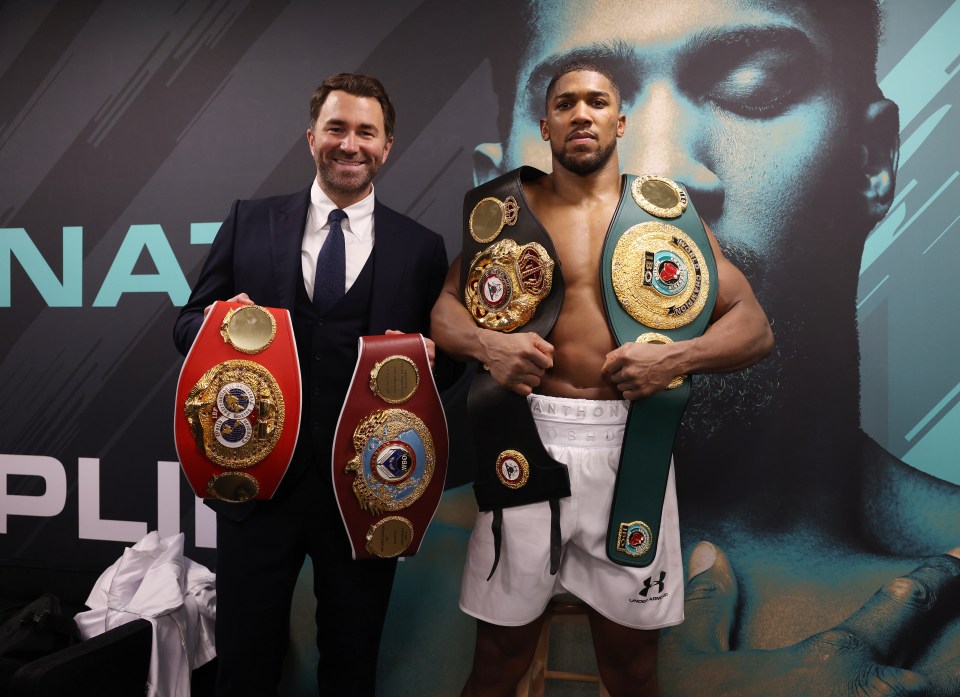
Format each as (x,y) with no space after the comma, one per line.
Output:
(659,285)
(390,449)
(238,403)
(510,281)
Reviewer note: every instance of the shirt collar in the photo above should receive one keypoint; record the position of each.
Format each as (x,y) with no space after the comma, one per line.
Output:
(358,214)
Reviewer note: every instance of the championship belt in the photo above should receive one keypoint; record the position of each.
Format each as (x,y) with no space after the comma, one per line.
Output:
(510,280)
(659,279)
(238,403)
(390,449)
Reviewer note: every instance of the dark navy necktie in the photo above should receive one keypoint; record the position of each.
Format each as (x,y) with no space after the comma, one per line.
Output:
(329,285)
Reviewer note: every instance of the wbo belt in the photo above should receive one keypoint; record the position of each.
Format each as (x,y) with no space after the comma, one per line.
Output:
(390,450)
(658,282)
(510,279)
(238,403)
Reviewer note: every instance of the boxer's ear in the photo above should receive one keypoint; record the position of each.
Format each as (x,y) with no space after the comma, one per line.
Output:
(487,162)
(880,152)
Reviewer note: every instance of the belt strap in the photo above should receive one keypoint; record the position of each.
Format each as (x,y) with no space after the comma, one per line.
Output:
(649,253)
(511,281)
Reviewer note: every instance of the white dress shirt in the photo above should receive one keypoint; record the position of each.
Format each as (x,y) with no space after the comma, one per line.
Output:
(357,235)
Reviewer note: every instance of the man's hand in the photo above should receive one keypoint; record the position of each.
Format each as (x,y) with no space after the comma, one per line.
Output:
(431,347)
(516,361)
(639,370)
(242,298)
(861,657)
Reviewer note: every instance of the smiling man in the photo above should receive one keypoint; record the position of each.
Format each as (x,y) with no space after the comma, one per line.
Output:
(344,265)
(769,112)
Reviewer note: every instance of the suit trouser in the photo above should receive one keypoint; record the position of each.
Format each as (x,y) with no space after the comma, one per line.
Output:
(258,562)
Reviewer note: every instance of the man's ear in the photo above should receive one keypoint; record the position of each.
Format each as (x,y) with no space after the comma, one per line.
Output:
(386,149)
(880,149)
(487,162)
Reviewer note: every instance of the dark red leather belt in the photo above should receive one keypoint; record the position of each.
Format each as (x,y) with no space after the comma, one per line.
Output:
(390,450)
(238,403)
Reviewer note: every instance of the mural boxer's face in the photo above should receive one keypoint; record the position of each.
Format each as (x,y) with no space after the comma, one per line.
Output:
(349,145)
(736,99)
(742,101)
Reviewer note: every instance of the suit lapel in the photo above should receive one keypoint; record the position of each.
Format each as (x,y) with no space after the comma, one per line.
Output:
(287,222)
(387,271)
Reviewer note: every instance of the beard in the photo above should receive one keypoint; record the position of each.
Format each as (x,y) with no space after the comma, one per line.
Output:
(724,401)
(335,181)
(583,165)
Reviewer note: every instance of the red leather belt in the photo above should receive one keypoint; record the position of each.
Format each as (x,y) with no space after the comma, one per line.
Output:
(238,403)
(390,450)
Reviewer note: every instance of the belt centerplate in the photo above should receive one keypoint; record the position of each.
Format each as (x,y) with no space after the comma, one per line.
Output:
(506,282)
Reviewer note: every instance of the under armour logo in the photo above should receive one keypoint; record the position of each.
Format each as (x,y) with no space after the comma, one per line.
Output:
(650,583)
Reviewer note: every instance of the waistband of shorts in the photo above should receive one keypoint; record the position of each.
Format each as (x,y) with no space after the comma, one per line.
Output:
(579,422)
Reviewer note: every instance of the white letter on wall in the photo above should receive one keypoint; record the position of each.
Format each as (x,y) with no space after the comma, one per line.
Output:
(47,504)
(91,527)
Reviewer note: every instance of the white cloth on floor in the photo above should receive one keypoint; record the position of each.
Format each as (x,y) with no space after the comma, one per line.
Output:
(154,581)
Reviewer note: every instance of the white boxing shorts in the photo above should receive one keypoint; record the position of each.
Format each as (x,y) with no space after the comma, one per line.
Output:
(585,435)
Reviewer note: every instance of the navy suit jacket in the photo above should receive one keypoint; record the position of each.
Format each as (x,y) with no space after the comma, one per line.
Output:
(257,251)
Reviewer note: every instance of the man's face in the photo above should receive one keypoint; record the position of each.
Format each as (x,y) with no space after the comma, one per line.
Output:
(733,98)
(582,122)
(349,144)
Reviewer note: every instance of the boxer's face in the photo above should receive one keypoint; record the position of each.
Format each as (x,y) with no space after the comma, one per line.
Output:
(582,121)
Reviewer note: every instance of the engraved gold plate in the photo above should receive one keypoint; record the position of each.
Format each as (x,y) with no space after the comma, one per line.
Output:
(394,462)
(659,275)
(513,469)
(634,538)
(394,379)
(490,215)
(236,413)
(235,487)
(654,338)
(249,329)
(506,283)
(659,196)
(389,537)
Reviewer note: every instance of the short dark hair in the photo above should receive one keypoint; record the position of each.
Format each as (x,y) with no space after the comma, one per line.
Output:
(358,86)
(575,66)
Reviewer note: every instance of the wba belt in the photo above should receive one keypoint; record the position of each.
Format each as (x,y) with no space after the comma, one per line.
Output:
(238,403)
(658,281)
(390,450)
(510,279)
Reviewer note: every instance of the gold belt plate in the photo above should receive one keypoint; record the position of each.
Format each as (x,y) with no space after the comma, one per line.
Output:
(506,283)
(394,462)
(236,413)
(660,276)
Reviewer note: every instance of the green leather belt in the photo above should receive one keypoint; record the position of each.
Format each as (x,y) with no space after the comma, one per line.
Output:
(658,278)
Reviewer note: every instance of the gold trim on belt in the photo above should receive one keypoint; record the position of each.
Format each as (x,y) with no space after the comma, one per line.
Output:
(506,283)
(236,413)
(659,275)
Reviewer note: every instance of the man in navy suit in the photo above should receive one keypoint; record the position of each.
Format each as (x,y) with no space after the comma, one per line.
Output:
(391,269)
